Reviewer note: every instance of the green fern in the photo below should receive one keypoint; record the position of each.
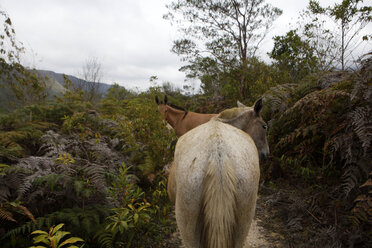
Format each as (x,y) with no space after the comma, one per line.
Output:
(83,222)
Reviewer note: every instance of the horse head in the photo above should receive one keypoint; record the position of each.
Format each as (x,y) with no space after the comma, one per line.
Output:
(250,121)
(162,105)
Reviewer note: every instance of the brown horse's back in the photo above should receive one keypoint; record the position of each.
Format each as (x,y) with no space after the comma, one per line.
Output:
(192,120)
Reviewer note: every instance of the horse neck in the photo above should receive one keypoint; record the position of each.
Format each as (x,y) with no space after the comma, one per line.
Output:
(174,115)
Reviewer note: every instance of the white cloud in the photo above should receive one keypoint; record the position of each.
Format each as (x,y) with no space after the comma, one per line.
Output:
(129,37)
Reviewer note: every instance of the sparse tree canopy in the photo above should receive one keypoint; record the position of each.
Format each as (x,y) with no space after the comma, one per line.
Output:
(20,86)
(10,48)
(337,45)
(91,73)
(223,33)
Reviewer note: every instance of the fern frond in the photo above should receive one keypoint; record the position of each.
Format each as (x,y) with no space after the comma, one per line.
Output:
(105,238)
(6,215)
(277,99)
(28,213)
(337,145)
(362,126)
(351,179)
(362,210)
(148,166)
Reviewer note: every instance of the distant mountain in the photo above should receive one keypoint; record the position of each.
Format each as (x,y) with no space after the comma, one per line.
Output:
(51,75)
(54,87)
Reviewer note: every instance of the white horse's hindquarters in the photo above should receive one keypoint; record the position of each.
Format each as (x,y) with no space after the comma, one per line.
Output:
(191,157)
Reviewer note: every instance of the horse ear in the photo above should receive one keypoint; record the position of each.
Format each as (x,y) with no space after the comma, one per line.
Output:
(165,99)
(157,100)
(258,106)
(240,105)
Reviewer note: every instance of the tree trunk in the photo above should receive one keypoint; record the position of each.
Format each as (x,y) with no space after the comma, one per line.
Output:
(342,45)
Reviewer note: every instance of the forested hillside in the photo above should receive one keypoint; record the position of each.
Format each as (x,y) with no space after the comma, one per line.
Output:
(92,169)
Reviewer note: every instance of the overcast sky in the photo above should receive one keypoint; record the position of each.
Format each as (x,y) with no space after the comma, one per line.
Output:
(129,37)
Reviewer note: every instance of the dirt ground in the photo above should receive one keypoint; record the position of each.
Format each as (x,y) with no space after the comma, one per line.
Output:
(258,236)
(282,220)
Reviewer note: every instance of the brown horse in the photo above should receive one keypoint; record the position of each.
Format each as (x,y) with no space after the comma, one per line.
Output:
(180,119)
(214,178)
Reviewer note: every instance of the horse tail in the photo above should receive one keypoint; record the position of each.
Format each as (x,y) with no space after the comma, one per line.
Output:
(218,209)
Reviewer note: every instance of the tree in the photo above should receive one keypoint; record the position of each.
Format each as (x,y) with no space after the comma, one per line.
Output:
(171,89)
(119,93)
(21,86)
(222,33)
(294,55)
(350,19)
(92,75)
(10,48)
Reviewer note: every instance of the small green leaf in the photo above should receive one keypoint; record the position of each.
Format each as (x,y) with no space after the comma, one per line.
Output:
(59,226)
(39,232)
(71,240)
(59,235)
(135,218)
(125,224)
(41,239)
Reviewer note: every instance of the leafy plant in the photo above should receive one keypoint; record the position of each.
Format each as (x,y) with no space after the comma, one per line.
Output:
(320,136)
(146,137)
(65,159)
(131,218)
(55,238)
(8,208)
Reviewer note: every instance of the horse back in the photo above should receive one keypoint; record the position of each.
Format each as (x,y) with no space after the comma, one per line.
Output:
(193,120)
(217,173)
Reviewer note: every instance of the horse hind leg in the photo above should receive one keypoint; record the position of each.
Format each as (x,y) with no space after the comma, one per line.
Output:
(244,219)
(187,222)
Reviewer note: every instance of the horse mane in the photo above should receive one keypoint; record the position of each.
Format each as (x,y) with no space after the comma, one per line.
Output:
(179,108)
(233,113)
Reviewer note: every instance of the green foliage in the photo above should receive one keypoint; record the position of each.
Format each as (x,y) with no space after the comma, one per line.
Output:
(55,238)
(65,159)
(73,98)
(305,126)
(220,37)
(119,93)
(258,78)
(8,210)
(82,123)
(320,136)
(134,217)
(8,37)
(20,85)
(147,138)
(20,132)
(75,177)
(21,129)
(294,56)
(82,222)
(114,100)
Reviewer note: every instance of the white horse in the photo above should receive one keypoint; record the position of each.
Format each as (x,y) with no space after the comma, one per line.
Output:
(214,178)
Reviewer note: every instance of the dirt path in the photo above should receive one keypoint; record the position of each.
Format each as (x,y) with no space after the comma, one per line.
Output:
(258,236)
(285,218)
